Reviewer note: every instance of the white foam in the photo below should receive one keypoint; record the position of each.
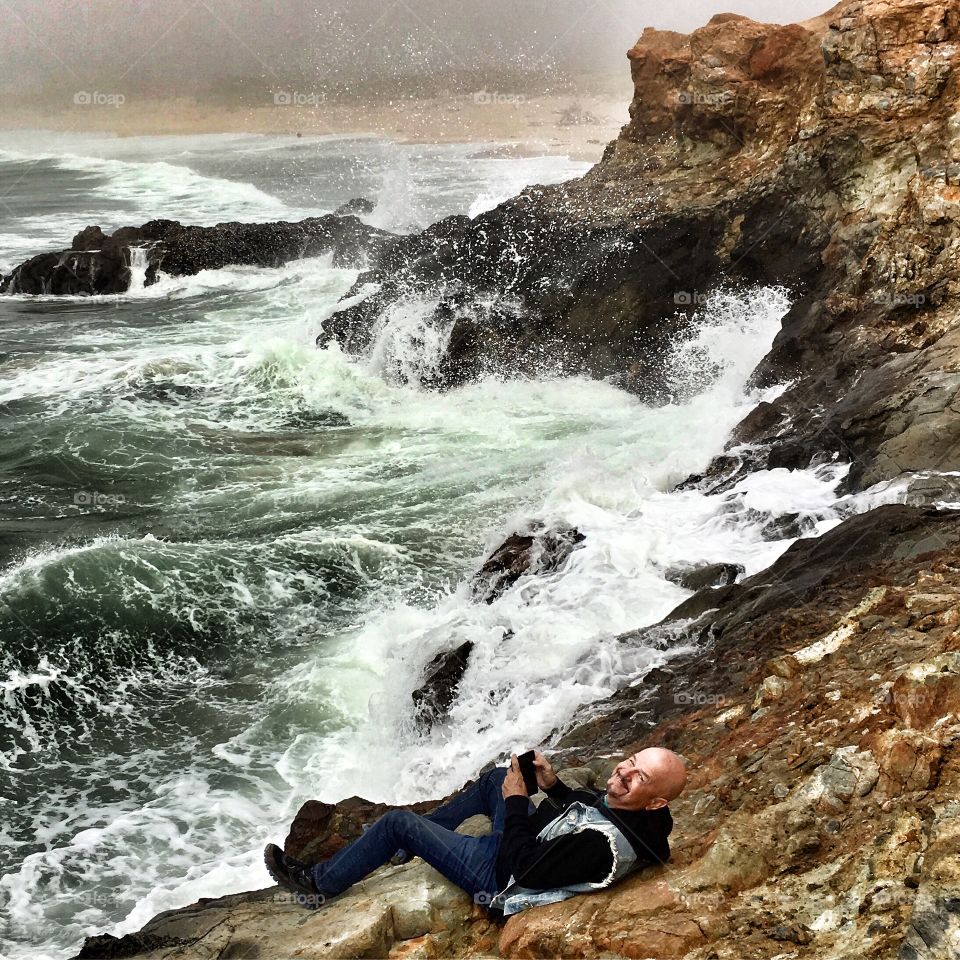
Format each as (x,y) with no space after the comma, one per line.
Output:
(160,189)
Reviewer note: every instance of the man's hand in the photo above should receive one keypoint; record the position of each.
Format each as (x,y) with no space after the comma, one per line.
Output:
(513,785)
(546,777)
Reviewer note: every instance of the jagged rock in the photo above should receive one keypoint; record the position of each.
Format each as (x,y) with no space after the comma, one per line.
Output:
(542,550)
(105,946)
(441,678)
(787,527)
(100,264)
(539,285)
(692,577)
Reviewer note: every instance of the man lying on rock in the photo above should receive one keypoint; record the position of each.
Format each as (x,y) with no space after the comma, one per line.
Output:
(576,841)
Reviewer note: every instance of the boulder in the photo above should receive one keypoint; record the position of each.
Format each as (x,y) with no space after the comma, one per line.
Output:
(358,206)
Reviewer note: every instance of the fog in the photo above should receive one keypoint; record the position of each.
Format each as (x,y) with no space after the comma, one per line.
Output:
(232,47)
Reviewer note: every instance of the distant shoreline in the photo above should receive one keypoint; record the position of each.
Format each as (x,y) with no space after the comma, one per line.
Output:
(529,124)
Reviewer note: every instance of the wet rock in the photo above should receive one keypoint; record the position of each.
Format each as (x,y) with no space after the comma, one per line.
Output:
(787,527)
(100,264)
(702,602)
(105,946)
(692,577)
(166,392)
(441,678)
(541,551)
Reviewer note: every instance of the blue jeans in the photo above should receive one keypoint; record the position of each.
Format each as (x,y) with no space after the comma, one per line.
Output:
(469,862)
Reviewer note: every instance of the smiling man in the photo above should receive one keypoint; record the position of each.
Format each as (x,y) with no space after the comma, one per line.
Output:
(576,841)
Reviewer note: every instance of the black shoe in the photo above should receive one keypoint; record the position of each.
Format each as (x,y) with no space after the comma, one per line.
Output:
(292,875)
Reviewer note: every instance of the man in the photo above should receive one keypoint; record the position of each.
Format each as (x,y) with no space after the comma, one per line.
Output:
(574,842)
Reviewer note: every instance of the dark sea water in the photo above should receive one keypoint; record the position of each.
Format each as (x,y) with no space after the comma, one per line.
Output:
(225,555)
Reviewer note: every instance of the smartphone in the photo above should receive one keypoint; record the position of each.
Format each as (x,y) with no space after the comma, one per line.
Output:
(525,760)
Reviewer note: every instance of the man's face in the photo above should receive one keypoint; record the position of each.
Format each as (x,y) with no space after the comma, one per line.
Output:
(633,786)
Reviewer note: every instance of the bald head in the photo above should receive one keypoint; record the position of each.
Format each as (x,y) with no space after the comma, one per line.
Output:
(648,780)
(667,770)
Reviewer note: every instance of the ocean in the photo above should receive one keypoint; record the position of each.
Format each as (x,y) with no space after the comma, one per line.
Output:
(226,555)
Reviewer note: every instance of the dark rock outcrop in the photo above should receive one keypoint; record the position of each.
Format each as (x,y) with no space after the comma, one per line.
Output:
(542,550)
(358,206)
(100,264)
(441,677)
(542,286)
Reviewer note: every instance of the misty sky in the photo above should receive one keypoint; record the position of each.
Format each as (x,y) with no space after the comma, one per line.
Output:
(185,45)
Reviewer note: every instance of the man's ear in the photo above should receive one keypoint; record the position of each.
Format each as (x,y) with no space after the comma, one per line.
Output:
(655,804)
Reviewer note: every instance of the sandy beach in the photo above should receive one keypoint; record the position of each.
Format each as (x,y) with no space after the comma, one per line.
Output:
(577,126)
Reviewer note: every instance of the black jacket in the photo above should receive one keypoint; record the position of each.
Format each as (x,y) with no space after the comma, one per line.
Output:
(583,857)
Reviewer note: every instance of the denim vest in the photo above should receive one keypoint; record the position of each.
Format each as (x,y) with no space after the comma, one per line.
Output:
(578,816)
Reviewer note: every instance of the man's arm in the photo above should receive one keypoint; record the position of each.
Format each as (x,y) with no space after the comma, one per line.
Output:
(583,857)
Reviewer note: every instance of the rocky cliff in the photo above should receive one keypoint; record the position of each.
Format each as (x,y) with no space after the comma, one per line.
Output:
(821,711)
(822,156)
